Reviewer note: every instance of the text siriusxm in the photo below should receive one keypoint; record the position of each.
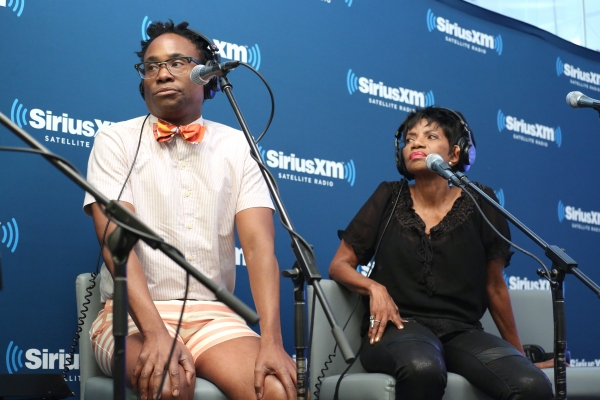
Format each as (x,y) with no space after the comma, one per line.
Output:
(63,123)
(575,72)
(37,359)
(399,94)
(469,35)
(315,166)
(519,125)
(586,217)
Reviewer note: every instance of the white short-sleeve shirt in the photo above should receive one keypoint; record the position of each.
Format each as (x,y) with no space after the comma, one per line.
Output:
(186,193)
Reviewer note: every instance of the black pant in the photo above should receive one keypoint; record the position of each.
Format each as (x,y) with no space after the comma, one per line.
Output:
(419,361)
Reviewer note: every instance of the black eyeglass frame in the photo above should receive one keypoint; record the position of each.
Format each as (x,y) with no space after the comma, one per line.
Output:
(165,63)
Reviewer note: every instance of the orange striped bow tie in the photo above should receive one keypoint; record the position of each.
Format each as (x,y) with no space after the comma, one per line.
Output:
(164,131)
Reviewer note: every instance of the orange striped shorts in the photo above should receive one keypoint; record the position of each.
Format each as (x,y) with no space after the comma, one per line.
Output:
(204,325)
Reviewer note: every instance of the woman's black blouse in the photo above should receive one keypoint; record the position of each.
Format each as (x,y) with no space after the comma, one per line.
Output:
(438,279)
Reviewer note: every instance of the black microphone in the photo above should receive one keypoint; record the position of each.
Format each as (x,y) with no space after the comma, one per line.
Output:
(580,100)
(436,163)
(201,74)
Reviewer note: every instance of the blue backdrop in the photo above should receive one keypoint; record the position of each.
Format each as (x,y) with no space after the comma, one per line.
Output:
(344,73)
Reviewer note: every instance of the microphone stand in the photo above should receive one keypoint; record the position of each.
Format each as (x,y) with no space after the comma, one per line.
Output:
(304,269)
(562,264)
(120,242)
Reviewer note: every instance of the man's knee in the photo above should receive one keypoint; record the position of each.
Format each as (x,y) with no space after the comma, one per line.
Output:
(273,388)
(186,390)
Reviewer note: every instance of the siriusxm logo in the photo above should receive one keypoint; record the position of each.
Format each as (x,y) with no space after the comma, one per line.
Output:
(518,283)
(36,359)
(575,72)
(349,2)
(18,4)
(231,51)
(500,195)
(469,35)
(399,94)
(39,119)
(535,130)
(10,235)
(577,215)
(313,166)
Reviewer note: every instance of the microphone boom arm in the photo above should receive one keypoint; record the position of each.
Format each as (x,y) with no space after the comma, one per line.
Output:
(562,264)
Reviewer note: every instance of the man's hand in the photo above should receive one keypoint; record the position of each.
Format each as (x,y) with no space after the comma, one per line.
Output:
(273,360)
(150,365)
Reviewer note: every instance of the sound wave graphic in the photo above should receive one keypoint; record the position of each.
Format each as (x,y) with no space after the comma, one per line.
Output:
(350,172)
(254,56)
(12,357)
(10,235)
(431,25)
(561,211)
(498,45)
(18,113)
(351,82)
(501,121)
(145,24)
(18,3)
(500,195)
(560,66)
(349,2)
(558,136)
(429,99)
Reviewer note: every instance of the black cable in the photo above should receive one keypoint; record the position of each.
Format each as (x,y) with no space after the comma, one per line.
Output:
(359,298)
(272,100)
(87,297)
(337,386)
(548,276)
(166,368)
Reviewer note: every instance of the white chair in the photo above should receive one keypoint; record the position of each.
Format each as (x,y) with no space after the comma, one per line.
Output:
(533,314)
(94,384)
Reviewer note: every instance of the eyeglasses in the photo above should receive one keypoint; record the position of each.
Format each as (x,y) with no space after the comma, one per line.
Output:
(176,66)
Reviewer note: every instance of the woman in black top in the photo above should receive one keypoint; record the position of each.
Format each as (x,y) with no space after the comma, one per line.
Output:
(438,267)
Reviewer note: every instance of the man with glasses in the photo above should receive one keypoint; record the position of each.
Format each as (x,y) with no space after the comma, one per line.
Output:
(190,180)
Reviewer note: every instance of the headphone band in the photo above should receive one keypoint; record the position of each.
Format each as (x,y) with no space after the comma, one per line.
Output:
(465,142)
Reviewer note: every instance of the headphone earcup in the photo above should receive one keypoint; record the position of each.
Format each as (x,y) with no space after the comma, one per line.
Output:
(401,165)
(211,88)
(467,153)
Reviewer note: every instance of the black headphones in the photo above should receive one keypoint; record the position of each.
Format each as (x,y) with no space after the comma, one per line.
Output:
(466,143)
(212,56)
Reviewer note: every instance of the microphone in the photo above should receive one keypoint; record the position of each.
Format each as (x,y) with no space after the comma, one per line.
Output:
(201,74)
(436,163)
(580,100)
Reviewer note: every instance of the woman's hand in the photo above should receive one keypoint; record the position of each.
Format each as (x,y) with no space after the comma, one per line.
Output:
(383,309)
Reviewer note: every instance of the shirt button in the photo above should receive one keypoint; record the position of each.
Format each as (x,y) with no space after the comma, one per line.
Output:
(190,257)
(187,193)
(189,226)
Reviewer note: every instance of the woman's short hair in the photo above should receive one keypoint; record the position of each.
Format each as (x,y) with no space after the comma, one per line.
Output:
(446,119)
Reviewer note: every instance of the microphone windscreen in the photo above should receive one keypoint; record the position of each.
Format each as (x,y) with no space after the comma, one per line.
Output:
(572,99)
(431,159)
(196,75)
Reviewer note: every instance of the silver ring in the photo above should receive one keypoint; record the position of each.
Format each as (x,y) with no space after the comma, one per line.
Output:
(372,322)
